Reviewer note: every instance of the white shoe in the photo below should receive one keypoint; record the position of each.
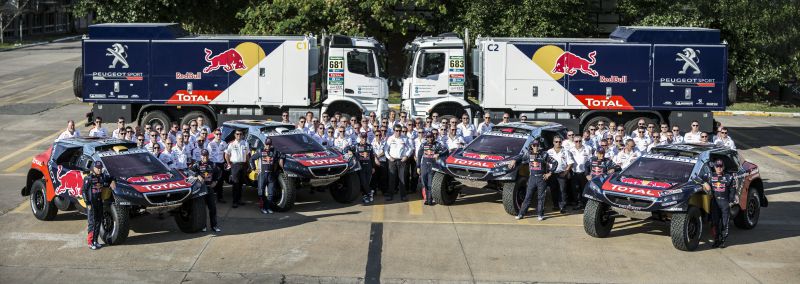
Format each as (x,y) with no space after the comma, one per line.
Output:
(541,218)
(518,217)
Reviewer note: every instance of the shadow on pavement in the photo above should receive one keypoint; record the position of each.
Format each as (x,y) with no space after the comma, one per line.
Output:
(772,188)
(758,137)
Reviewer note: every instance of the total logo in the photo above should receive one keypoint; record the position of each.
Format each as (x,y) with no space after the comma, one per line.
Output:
(471,163)
(604,102)
(162,186)
(632,190)
(322,162)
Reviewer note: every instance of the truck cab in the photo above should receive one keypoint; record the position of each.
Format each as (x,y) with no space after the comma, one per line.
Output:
(435,77)
(354,75)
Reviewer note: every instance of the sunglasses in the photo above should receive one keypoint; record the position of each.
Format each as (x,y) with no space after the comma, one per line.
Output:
(238,134)
(284,115)
(435,116)
(140,139)
(570,135)
(695,125)
(556,142)
(704,136)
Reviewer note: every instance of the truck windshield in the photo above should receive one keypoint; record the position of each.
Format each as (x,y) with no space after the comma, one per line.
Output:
(497,145)
(295,143)
(133,165)
(659,170)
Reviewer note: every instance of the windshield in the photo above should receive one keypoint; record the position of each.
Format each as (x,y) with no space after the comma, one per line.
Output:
(133,165)
(295,143)
(497,145)
(659,169)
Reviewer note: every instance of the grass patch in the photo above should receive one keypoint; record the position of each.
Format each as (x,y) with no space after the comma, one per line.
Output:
(765,106)
(394,97)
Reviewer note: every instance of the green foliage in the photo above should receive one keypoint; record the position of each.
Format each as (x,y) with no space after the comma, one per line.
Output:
(763,36)
(205,16)
(528,18)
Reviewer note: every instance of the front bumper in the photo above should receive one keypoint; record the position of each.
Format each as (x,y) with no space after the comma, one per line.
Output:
(476,174)
(672,203)
(125,195)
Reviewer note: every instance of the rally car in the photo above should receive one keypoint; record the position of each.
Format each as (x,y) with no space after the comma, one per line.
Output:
(666,185)
(307,162)
(494,160)
(55,181)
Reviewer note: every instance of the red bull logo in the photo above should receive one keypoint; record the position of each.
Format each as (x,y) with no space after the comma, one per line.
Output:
(70,182)
(228,60)
(569,63)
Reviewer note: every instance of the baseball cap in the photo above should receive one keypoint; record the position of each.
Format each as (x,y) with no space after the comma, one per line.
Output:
(204,152)
(363,135)
(267,141)
(719,163)
(601,150)
(428,134)
(535,143)
(98,164)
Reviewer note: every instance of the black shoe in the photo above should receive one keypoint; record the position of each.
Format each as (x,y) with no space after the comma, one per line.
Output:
(311,191)
(403,198)
(722,243)
(388,198)
(221,201)
(578,207)
(234,205)
(240,203)
(562,210)
(427,202)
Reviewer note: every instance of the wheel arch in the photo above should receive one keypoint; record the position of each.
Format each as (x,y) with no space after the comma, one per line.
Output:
(32,176)
(758,184)
(334,104)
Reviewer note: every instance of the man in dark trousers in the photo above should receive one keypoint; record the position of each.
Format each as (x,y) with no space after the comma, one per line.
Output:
(268,161)
(429,151)
(209,174)
(236,155)
(398,151)
(93,185)
(541,166)
(720,185)
(366,157)
(598,165)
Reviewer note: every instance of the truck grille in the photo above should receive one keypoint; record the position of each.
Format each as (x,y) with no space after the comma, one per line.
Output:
(322,172)
(627,201)
(167,197)
(468,173)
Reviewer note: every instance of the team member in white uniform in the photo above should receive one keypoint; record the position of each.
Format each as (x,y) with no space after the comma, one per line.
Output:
(625,157)
(486,125)
(342,141)
(180,158)
(165,158)
(69,132)
(468,131)
(641,139)
(98,130)
(694,135)
(677,137)
(119,133)
(561,172)
(723,139)
(237,156)
(398,151)
(216,154)
(580,155)
(452,140)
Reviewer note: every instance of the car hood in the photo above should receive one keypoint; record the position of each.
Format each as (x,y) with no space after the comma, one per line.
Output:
(472,159)
(156,182)
(635,186)
(321,158)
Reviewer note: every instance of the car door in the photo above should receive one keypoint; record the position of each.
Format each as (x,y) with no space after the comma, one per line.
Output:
(65,171)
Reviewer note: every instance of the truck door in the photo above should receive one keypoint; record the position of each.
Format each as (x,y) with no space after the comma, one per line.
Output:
(270,72)
(430,74)
(115,69)
(529,79)
(361,80)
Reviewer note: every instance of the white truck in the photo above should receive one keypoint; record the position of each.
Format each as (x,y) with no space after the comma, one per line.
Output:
(157,74)
(659,74)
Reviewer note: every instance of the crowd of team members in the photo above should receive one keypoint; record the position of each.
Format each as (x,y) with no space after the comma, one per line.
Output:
(397,153)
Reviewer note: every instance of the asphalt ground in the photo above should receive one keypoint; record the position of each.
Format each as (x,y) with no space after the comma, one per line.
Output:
(395,242)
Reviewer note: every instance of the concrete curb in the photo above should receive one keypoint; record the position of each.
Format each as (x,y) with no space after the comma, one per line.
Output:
(757,113)
(42,42)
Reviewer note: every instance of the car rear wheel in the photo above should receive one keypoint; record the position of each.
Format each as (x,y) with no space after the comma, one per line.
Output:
(748,218)
(597,219)
(115,227)
(42,209)
(285,195)
(346,189)
(686,229)
(191,216)
(513,196)
(442,189)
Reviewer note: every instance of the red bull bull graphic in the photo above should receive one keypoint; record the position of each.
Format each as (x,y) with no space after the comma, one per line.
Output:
(569,63)
(70,182)
(228,60)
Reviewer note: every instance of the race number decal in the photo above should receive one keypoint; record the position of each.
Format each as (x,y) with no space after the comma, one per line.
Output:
(336,75)
(456,78)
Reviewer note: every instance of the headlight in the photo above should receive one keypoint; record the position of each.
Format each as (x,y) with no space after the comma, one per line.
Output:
(508,164)
(594,187)
(347,156)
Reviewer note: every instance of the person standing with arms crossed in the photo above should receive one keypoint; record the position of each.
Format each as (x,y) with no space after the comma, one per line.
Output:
(236,156)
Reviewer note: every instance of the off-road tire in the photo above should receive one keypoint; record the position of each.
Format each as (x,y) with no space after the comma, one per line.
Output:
(288,192)
(346,189)
(748,219)
(440,189)
(115,226)
(596,220)
(42,209)
(513,196)
(191,216)
(686,229)
(77,82)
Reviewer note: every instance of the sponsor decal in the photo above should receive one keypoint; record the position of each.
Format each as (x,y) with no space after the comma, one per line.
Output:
(684,103)
(162,186)
(196,97)
(482,156)
(670,158)
(228,60)
(70,181)
(470,163)
(37,162)
(667,103)
(188,76)
(690,60)
(506,134)
(311,155)
(614,79)
(322,162)
(569,63)
(691,65)
(97,96)
(117,51)
(631,190)
(150,178)
(712,104)
(336,73)
(648,183)
(601,102)
(118,76)
(130,151)
(687,82)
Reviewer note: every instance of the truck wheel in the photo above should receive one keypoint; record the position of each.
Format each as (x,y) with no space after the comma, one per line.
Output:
(597,220)
(346,189)
(513,196)
(748,218)
(285,195)
(115,227)
(632,124)
(43,210)
(194,115)
(595,120)
(191,216)
(77,82)
(686,229)
(442,189)
(155,118)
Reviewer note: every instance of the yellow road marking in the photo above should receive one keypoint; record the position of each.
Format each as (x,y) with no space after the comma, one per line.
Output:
(29,78)
(50,138)
(543,223)
(22,163)
(13,80)
(377,213)
(21,208)
(415,207)
(786,152)
(43,95)
(771,157)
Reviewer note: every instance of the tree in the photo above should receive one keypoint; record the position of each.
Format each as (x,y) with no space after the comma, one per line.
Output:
(8,12)
(528,18)
(208,16)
